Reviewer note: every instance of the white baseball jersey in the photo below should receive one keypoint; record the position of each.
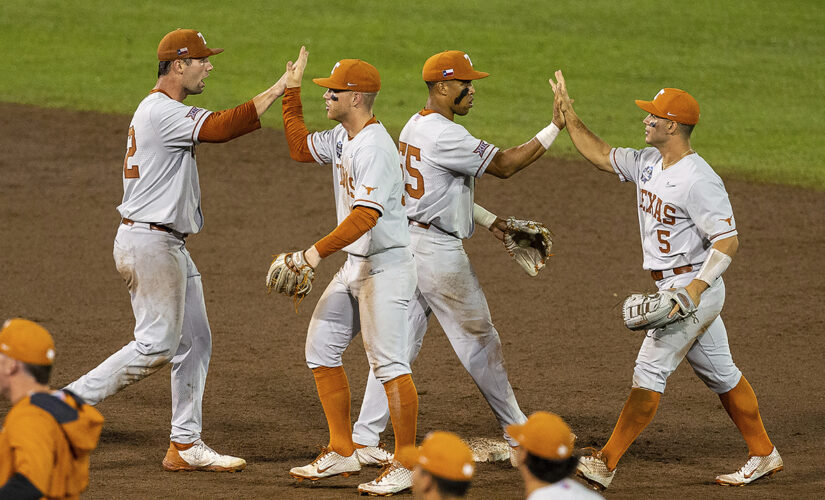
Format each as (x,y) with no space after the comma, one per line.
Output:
(437,149)
(160,175)
(566,489)
(682,209)
(365,170)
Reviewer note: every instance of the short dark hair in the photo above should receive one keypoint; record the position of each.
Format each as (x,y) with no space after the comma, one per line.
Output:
(550,471)
(685,129)
(165,66)
(449,487)
(41,373)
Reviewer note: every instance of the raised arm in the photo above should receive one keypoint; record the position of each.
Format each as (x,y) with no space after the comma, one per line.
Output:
(294,126)
(509,161)
(589,144)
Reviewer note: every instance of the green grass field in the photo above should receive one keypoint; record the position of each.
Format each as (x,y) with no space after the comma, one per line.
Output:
(755,67)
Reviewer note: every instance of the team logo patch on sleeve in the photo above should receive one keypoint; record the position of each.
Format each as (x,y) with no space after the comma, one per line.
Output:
(369,189)
(647,173)
(193,113)
(338,149)
(481,148)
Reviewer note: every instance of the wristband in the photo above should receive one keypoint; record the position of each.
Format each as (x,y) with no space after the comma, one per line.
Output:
(716,264)
(482,217)
(547,135)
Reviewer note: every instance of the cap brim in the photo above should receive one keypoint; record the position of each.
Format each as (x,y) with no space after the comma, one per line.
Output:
(649,107)
(408,456)
(329,83)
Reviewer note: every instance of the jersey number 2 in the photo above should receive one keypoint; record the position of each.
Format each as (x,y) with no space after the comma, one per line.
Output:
(131,147)
(409,152)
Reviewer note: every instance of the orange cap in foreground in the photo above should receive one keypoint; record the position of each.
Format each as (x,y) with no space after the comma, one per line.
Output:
(352,74)
(450,65)
(183,44)
(442,454)
(673,104)
(26,341)
(544,435)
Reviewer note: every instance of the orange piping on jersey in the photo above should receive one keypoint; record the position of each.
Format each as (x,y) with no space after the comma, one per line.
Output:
(222,126)
(357,223)
(294,127)
(425,112)
(485,161)
(715,236)
(370,201)
(369,122)
(162,92)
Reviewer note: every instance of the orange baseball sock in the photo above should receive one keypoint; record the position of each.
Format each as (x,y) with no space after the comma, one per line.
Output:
(403,401)
(638,412)
(333,389)
(743,408)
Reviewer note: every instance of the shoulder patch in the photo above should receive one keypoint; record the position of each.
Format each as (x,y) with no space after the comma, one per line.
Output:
(61,411)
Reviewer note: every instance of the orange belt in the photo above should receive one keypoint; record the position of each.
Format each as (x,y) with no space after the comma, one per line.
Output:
(158,227)
(658,275)
(419,224)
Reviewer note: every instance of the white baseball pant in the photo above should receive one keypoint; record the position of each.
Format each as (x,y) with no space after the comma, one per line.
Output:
(448,287)
(702,339)
(370,295)
(170,325)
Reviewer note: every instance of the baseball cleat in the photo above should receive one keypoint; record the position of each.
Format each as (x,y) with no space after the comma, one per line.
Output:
(514,456)
(373,455)
(327,464)
(754,468)
(592,469)
(394,478)
(200,457)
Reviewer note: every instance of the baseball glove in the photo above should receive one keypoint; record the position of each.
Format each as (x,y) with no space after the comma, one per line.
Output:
(291,275)
(528,243)
(643,311)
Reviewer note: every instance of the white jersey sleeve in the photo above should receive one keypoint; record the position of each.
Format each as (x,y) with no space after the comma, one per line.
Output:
(373,185)
(627,162)
(176,124)
(709,207)
(322,146)
(457,150)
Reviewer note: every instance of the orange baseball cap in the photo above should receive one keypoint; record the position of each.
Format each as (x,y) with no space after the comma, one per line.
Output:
(26,341)
(352,74)
(442,454)
(544,435)
(182,44)
(673,104)
(450,65)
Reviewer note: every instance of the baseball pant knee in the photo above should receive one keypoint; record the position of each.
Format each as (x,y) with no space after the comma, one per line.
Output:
(650,377)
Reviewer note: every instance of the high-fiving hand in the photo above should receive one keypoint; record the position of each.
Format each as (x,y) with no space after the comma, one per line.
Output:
(295,71)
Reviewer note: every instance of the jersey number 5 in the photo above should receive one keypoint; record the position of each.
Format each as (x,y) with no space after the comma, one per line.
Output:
(410,152)
(662,234)
(131,147)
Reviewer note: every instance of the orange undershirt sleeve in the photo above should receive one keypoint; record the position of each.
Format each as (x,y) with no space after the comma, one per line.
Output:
(294,127)
(361,220)
(222,126)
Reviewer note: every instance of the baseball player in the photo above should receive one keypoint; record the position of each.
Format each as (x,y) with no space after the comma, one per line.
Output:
(441,162)
(47,435)
(546,460)
(161,207)
(373,288)
(689,237)
(442,466)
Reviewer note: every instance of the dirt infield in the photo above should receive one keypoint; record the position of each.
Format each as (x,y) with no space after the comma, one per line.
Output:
(565,347)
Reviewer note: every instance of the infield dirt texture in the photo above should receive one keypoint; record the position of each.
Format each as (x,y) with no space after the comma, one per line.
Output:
(566,348)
